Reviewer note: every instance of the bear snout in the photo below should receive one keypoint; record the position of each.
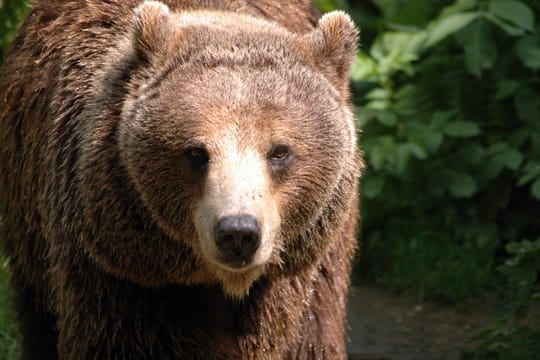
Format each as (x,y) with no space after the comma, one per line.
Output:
(237,239)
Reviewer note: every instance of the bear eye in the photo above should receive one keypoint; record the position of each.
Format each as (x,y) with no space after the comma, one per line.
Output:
(280,153)
(198,157)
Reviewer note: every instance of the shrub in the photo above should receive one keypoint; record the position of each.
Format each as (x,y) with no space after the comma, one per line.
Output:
(449,106)
(450,114)
(11,13)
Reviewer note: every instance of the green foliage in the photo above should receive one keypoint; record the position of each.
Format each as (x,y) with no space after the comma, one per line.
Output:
(510,336)
(11,13)
(450,114)
(9,344)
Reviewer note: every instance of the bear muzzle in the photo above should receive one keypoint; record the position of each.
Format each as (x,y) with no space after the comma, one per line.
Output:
(237,215)
(237,239)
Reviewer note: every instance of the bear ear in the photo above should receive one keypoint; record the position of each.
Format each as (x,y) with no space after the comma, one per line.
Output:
(333,45)
(152,30)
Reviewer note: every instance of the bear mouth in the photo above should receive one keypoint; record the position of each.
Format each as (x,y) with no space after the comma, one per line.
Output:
(236,266)
(236,281)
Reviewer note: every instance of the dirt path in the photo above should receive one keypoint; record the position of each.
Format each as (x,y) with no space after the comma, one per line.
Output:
(383,326)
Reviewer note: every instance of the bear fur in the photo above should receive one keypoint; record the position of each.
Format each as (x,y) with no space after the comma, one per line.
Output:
(129,129)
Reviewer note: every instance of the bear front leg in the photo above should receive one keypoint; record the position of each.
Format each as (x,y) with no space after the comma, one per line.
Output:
(324,319)
(37,326)
(103,317)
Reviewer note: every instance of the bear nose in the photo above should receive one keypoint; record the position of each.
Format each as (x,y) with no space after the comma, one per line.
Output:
(238,238)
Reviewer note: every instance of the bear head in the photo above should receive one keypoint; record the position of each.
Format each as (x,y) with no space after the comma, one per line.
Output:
(238,140)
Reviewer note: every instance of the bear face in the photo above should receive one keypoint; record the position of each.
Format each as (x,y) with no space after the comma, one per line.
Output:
(237,143)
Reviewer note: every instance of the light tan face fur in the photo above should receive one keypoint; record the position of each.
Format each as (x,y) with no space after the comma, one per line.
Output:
(236,88)
(237,183)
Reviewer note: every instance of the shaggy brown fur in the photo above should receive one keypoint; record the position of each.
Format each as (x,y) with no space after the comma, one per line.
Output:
(105,219)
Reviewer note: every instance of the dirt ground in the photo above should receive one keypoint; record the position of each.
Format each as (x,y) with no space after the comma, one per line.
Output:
(384,326)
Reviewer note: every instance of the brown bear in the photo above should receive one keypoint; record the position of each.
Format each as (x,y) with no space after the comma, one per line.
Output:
(178,180)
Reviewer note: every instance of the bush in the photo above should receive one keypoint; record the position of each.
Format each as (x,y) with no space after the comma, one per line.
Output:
(9,336)
(11,14)
(513,332)
(450,113)
(449,106)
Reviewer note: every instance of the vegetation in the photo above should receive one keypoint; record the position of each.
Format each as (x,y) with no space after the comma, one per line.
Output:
(507,337)
(9,349)
(447,95)
(448,99)
(11,14)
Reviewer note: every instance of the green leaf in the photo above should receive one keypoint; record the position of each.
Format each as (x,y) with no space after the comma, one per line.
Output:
(506,88)
(459,6)
(480,50)
(378,105)
(363,115)
(432,140)
(377,157)
(524,247)
(532,171)
(527,103)
(511,159)
(406,43)
(514,248)
(387,118)
(508,28)
(363,68)
(462,185)
(497,148)
(380,151)
(411,14)
(372,187)
(441,28)
(378,94)
(387,7)
(366,114)
(329,5)
(471,153)
(529,52)
(411,100)
(394,51)
(535,189)
(461,129)
(402,156)
(519,136)
(513,12)
(418,151)
(489,170)
(440,118)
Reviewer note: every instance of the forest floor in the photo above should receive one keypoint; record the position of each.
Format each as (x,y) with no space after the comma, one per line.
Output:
(386,326)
